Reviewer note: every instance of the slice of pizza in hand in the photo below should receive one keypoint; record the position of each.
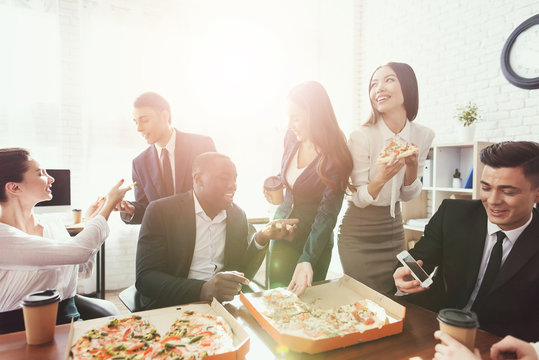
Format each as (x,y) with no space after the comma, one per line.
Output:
(398,149)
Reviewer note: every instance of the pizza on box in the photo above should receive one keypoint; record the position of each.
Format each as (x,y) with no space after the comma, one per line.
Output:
(290,315)
(192,336)
(130,338)
(398,149)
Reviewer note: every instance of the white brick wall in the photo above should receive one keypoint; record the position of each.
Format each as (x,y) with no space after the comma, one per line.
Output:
(454,48)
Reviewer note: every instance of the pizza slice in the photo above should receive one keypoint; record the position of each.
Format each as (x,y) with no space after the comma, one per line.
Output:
(194,336)
(398,149)
(130,337)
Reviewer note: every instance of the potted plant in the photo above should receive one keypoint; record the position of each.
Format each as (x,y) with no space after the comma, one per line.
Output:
(467,115)
(457,182)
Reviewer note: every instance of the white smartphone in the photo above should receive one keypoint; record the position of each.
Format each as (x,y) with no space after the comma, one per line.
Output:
(417,271)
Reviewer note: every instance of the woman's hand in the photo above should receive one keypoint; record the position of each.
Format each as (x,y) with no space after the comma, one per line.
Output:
(115,195)
(450,348)
(302,278)
(268,196)
(95,208)
(410,174)
(510,344)
(384,173)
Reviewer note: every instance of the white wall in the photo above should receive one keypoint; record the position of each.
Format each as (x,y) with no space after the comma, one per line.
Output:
(454,47)
(225,67)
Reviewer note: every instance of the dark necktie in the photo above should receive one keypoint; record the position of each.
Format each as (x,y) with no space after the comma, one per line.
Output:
(167,173)
(493,267)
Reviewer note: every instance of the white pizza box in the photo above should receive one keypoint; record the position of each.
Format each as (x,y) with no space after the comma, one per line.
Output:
(163,318)
(326,295)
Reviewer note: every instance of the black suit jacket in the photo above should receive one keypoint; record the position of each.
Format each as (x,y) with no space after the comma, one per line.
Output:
(166,245)
(454,239)
(147,173)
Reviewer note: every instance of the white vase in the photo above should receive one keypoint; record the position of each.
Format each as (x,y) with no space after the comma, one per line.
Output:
(467,133)
(457,183)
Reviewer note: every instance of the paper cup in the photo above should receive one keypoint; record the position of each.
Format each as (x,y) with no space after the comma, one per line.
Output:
(77,216)
(40,309)
(461,325)
(274,187)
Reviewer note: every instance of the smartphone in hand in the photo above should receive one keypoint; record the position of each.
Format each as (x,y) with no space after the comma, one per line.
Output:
(417,271)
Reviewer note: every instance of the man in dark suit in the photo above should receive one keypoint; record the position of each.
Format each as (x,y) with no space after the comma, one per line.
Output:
(164,168)
(487,250)
(195,246)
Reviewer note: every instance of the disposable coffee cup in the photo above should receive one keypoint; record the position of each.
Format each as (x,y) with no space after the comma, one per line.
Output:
(77,216)
(460,324)
(39,310)
(274,187)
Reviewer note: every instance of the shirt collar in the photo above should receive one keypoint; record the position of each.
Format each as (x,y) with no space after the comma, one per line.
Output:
(171,145)
(512,235)
(403,136)
(220,217)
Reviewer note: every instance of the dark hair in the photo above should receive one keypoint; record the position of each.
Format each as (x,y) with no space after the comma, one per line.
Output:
(512,154)
(325,134)
(153,100)
(410,92)
(204,161)
(13,165)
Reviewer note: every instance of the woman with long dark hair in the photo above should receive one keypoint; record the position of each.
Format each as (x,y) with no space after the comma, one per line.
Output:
(371,233)
(315,169)
(37,252)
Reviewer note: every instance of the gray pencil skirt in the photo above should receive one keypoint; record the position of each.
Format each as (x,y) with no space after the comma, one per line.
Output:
(369,240)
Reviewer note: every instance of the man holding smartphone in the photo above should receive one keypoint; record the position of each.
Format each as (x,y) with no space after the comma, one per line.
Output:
(487,250)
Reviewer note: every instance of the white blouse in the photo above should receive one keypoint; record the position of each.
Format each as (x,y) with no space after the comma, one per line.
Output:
(31,263)
(365,145)
(293,172)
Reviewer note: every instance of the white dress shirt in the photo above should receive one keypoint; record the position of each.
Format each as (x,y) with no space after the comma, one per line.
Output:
(171,146)
(509,241)
(31,263)
(293,172)
(209,253)
(366,143)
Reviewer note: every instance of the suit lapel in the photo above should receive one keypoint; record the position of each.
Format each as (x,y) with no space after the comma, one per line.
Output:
(477,236)
(187,229)
(286,160)
(181,154)
(526,246)
(155,173)
(231,237)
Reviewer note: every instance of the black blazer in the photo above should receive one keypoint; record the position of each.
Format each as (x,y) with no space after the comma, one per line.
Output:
(166,245)
(312,202)
(454,239)
(147,173)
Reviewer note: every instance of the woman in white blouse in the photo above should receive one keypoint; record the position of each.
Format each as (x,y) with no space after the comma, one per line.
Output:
(371,233)
(38,253)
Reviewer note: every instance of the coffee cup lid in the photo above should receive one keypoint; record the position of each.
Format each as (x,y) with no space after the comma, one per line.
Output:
(39,298)
(458,318)
(273,183)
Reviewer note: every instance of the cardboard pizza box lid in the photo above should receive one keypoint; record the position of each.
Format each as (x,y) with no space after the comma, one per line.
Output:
(163,318)
(326,295)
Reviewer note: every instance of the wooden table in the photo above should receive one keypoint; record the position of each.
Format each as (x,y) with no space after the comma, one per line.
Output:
(416,342)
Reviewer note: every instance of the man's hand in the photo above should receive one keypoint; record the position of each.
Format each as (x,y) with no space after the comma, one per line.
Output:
(125,207)
(223,286)
(451,349)
(302,278)
(277,230)
(510,344)
(405,282)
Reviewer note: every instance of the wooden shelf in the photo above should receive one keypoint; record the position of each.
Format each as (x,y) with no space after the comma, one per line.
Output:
(445,159)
